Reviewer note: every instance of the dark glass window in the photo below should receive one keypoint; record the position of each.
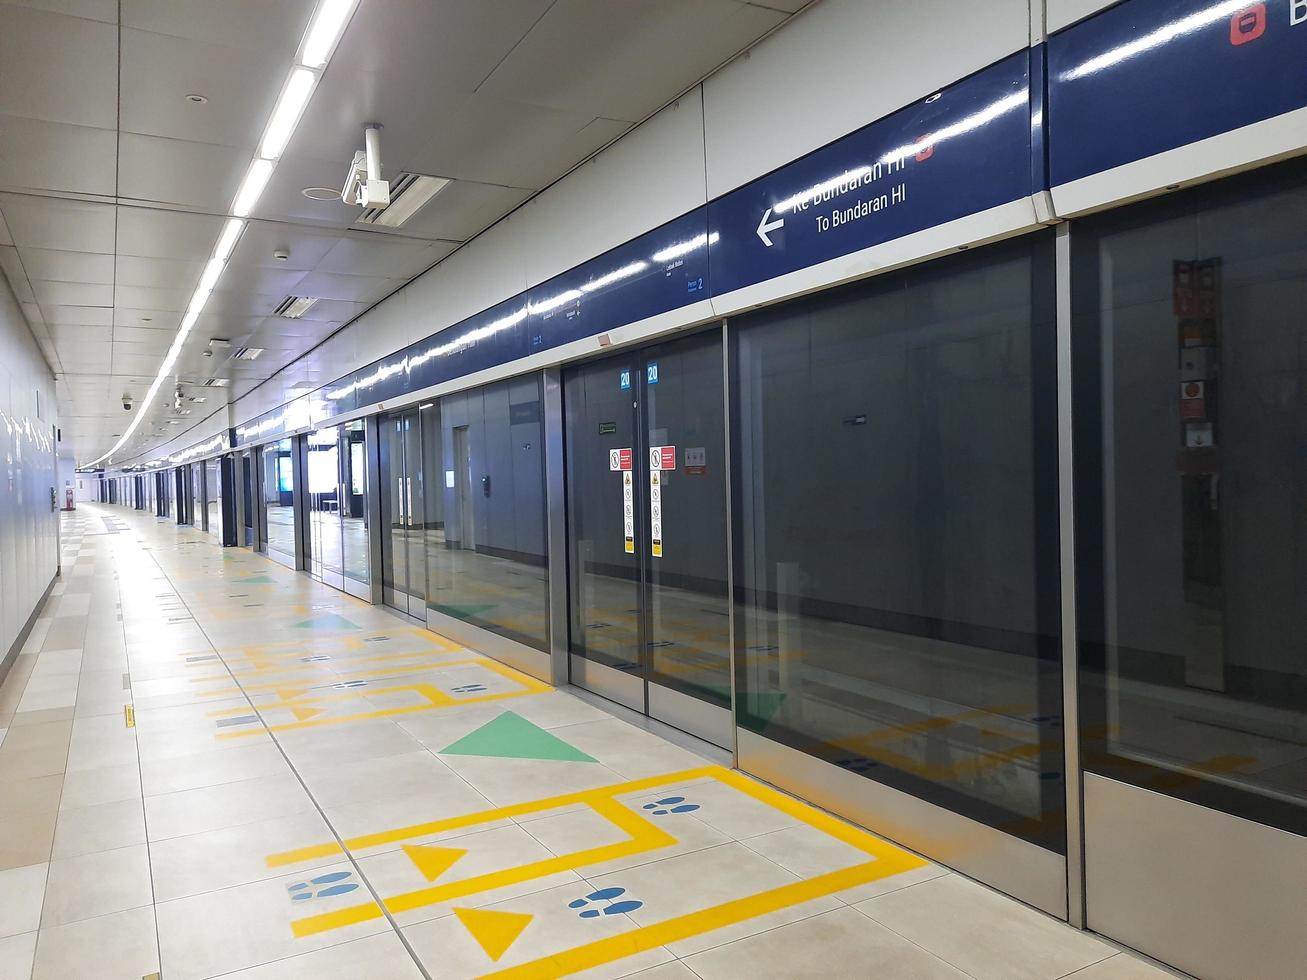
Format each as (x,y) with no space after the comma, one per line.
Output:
(485,488)
(1191,406)
(895,491)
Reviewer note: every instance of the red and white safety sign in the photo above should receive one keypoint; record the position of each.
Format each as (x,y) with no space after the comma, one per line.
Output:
(662,457)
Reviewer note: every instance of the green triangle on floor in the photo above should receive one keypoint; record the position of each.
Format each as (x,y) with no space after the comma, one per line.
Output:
(256,580)
(510,736)
(328,622)
(463,612)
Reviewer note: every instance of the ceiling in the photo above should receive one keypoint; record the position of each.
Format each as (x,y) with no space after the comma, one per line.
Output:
(114,187)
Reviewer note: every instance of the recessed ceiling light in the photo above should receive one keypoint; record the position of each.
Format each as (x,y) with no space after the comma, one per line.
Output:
(198,399)
(321,193)
(196,99)
(294,307)
(409,193)
(248,353)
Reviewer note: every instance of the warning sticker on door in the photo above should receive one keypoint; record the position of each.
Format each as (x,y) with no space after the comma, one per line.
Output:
(656,512)
(619,459)
(628,511)
(662,457)
(696,461)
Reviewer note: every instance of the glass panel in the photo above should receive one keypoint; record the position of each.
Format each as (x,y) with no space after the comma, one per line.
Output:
(247,496)
(416,529)
(394,555)
(354,509)
(1191,359)
(486,483)
(600,421)
(896,533)
(689,636)
(279,497)
(213,491)
(323,465)
(197,495)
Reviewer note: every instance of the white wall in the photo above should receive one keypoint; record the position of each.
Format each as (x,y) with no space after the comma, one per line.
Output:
(833,69)
(29,528)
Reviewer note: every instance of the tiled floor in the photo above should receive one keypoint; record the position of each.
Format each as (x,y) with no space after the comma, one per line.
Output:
(212,766)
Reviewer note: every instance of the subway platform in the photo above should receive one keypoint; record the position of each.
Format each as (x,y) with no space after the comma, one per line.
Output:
(212,766)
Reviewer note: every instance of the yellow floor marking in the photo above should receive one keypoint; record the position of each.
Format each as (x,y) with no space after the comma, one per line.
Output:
(435,698)
(431,861)
(493,931)
(129,716)
(643,836)
(304,714)
(584,796)
(888,860)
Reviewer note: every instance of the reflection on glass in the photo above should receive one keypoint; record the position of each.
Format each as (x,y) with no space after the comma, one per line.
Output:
(213,490)
(403,573)
(1192,405)
(486,541)
(278,487)
(197,495)
(354,510)
(323,463)
(895,539)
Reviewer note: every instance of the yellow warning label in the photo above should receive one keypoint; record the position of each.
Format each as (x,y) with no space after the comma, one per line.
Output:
(630,546)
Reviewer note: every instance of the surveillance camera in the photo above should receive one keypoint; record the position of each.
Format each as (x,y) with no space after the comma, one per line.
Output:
(127,404)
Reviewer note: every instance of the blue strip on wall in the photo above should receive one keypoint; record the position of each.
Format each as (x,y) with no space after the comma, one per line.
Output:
(1151,75)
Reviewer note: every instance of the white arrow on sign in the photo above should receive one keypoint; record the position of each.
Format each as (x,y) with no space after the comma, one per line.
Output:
(765,227)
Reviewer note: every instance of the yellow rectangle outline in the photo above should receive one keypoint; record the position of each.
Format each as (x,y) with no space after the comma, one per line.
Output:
(436,699)
(644,836)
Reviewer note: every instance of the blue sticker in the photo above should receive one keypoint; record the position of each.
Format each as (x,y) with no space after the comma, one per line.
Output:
(626,379)
(651,373)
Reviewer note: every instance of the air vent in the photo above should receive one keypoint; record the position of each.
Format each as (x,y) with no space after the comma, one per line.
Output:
(248,354)
(216,383)
(408,194)
(294,307)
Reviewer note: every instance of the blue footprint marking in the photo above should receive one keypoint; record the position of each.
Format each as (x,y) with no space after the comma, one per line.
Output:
(316,659)
(604,895)
(469,689)
(334,883)
(673,804)
(343,685)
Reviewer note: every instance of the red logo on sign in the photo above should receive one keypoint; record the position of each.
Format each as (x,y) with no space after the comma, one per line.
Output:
(925,153)
(1248,25)
(623,459)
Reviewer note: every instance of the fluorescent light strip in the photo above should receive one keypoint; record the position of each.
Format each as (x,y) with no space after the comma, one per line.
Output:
(328,23)
(256,178)
(294,97)
(325,30)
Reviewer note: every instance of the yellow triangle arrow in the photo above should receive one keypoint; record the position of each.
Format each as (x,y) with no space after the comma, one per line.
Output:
(290,694)
(494,931)
(303,714)
(432,861)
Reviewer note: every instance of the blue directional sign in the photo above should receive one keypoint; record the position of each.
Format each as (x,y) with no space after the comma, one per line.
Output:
(1147,76)
(651,373)
(956,152)
(625,379)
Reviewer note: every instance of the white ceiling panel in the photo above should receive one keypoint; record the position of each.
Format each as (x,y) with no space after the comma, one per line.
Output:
(283,199)
(137,270)
(451,44)
(464,208)
(648,44)
(102,10)
(254,24)
(151,338)
(150,298)
(261,239)
(211,324)
(5,237)
(167,234)
(12,265)
(498,141)
(72,293)
(72,336)
(143,364)
(358,289)
(60,266)
(58,68)
(258,279)
(241,86)
(57,157)
(44,222)
(243,304)
(99,316)
(198,175)
(368,254)
(128,316)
